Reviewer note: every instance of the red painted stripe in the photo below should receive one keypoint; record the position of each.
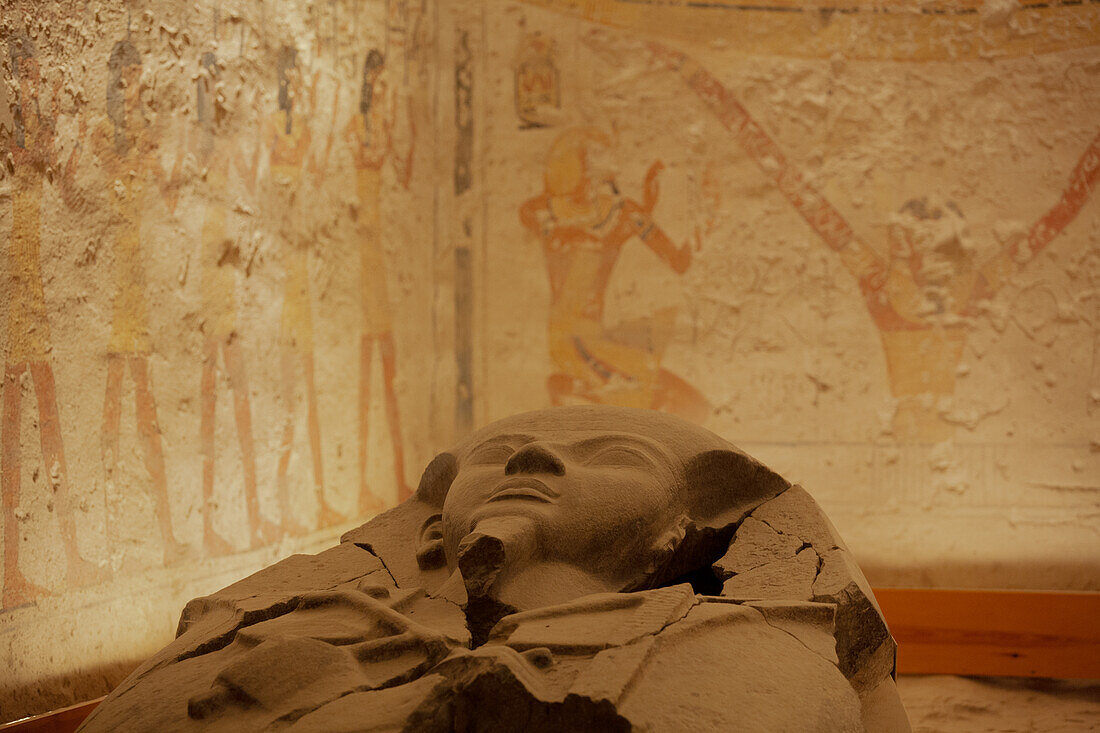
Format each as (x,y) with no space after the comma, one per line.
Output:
(822,217)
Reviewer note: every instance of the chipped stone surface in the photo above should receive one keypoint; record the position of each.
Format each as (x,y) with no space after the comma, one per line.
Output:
(795,514)
(756,544)
(867,651)
(564,621)
(789,579)
(386,709)
(293,575)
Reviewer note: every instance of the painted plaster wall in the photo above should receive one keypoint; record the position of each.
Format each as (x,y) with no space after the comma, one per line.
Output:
(765,281)
(212,308)
(863,245)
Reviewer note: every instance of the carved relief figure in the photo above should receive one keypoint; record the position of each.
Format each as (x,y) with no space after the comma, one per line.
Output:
(583,222)
(219,307)
(127,147)
(31,146)
(286,138)
(585,568)
(921,291)
(369,134)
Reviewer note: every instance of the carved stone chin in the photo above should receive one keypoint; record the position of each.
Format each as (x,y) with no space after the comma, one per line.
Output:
(578,568)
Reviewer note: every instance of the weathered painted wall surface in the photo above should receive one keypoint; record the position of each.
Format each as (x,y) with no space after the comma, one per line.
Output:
(863,243)
(255,275)
(216,273)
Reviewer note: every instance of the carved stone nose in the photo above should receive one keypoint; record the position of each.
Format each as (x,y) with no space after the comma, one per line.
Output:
(534,458)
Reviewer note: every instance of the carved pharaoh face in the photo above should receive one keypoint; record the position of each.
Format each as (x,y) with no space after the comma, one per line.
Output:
(597,501)
(550,505)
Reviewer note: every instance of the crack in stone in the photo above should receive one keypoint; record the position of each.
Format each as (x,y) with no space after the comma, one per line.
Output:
(242,619)
(446,600)
(790,634)
(687,609)
(366,546)
(805,543)
(777,530)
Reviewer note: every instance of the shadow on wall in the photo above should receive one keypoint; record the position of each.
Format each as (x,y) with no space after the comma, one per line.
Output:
(59,691)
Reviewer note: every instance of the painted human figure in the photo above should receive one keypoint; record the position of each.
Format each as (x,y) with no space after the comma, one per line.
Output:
(127,148)
(370,140)
(220,326)
(286,139)
(31,146)
(921,291)
(583,223)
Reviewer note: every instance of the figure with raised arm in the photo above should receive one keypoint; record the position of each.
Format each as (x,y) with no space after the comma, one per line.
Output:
(922,290)
(583,222)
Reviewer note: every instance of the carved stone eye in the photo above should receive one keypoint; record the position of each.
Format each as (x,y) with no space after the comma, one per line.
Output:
(498,453)
(620,456)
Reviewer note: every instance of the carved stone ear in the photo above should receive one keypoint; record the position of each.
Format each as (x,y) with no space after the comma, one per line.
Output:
(720,488)
(662,554)
(429,544)
(436,479)
(724,485)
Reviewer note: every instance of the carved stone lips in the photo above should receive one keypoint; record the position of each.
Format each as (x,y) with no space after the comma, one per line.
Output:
(523,487)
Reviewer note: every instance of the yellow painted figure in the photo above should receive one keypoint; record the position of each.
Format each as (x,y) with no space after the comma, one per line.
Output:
(31,147)
(583,223)
(127,149)
(287,138)
(370,137)
(220,326)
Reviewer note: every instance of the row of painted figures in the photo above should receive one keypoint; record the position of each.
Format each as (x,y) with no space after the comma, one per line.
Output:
(581,219)
(125,150)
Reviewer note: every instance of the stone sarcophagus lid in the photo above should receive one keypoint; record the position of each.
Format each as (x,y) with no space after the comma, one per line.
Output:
(577,568)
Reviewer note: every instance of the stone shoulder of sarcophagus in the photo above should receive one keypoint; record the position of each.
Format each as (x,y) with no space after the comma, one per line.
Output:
(788,550)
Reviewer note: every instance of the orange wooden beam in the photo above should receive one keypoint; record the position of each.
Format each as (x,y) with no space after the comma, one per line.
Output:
(64,720)
(988,632)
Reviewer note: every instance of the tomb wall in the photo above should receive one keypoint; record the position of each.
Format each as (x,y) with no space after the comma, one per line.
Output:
(859,241)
